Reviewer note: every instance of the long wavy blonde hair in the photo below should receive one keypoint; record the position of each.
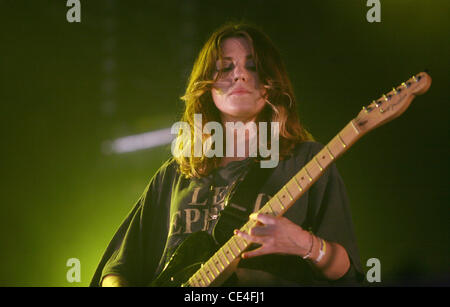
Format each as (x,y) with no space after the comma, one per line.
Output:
(280,101)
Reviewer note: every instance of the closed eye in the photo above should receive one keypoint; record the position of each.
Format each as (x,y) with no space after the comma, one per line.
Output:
(226,69)
(250,66)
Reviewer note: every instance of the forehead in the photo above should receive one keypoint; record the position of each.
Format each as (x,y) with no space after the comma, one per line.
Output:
(235,47)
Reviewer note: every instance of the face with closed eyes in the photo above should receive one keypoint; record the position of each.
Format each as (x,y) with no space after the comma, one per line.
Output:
(238,93)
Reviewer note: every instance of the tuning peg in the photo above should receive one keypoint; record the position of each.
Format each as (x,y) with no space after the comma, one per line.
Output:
(376,103)
(367,109)
(394,90)
(414,78)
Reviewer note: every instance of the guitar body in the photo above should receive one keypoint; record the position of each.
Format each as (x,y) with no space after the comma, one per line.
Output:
(198,247)
(187,259)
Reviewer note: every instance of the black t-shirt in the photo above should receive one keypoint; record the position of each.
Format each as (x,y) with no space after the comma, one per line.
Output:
(173,207)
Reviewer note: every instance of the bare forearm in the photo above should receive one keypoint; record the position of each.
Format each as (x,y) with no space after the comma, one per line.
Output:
(113,281)
(334,263)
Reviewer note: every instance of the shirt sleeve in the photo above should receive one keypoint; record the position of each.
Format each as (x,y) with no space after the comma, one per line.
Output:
(123,255)
(331,217)
(136,247)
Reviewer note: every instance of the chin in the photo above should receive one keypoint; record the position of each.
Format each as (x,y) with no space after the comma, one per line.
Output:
(241,110)
(240,115)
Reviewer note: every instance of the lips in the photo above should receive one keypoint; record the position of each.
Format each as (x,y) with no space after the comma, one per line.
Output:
(239,91)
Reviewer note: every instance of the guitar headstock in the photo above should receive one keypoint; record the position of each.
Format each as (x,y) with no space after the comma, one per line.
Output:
(392,104)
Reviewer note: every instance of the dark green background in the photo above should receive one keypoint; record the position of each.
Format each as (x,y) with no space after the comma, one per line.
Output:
(66,88)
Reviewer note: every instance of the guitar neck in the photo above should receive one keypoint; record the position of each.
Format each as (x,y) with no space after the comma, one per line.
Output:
(278,205)
(309,174)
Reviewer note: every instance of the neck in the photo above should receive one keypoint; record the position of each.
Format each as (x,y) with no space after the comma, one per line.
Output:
(240,134)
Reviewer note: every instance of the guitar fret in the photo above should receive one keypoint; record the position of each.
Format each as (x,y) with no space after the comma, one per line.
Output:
(298,184)
(329,151)
(208,270)
(217,262)
(238,240)
(269,206)
(318,164)
(245,228)
(225,255)
(231,248)
(307,173)
(204,275)
(232,253)
(354,127)
(199,279)
(342,141)
(190,281)
(221,261)
(238,248)
(290,196)
(193,283)
(211,263)
(274,211)
(281,204)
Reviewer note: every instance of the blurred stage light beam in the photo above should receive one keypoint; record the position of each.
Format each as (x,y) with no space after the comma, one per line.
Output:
(139,141)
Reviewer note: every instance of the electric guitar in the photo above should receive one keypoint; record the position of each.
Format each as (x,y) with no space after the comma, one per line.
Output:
(199,262)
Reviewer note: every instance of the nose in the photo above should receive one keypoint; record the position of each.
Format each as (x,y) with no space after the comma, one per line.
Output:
(240,73)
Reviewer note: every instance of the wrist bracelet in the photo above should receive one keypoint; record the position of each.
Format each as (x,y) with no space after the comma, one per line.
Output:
(308,254)
(322,251)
